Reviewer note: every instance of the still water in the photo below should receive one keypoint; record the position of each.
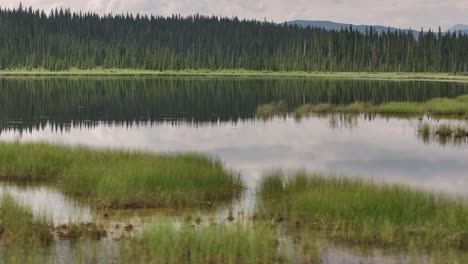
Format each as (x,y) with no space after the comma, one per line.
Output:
(216,117)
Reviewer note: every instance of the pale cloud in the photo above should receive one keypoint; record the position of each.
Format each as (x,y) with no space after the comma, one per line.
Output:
(398,13)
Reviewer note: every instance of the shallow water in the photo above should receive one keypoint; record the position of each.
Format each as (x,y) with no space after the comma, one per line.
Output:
(380,148)
(217,117)
(46,202)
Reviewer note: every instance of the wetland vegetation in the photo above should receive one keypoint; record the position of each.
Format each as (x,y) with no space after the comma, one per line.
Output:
(164,87)
(435,107)
(362,211)
(238,243)
(23,237)
(19,227)
(120,179)
(444,133)
(290,224)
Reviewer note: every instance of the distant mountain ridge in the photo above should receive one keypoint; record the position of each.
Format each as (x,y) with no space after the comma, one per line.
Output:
(330,25)
(459,27)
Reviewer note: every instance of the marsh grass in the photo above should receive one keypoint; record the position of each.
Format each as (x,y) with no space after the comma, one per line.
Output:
(266,111)
(444,130)
(460,131)
(424,129)
(308,108)
(121,179)
(23,238)
(437,107)
(163,243)
(443,133)
(19,227)
(365,212)
(398,108)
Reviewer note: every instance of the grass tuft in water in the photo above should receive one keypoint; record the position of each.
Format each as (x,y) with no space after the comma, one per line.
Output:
(19,227)
(165,243)
(443,133)
(424,129)
(362,211)
(23,238)
(121,179)
(266,111)
(444,130)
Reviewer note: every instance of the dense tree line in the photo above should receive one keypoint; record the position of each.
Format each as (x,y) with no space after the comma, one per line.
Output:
(62,40)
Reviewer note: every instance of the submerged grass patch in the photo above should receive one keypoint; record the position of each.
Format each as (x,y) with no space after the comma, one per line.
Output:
(121,179)
(363,211)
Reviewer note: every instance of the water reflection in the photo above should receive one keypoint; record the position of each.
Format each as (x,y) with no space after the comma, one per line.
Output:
(65,103)
(48,203)
(381,148)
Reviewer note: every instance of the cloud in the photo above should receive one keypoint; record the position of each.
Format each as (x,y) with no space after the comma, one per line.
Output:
(398,13)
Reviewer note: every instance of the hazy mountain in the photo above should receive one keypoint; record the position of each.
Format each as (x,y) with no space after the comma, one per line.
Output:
(329,25)
(459,27)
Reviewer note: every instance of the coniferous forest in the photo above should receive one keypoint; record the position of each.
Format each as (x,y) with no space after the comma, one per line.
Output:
(61,40)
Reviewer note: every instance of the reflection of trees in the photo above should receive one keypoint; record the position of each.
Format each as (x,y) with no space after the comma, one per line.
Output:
(343,121)
(29,104)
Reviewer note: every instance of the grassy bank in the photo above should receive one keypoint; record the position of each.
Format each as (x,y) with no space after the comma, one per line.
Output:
(121,179)
(437,107)
(244,73)
(362,211)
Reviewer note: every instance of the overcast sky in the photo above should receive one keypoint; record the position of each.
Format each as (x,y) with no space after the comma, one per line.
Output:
(398,13)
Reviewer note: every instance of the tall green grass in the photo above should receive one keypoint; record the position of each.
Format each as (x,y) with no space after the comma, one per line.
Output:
(360,210)
(164,243)
(121,179)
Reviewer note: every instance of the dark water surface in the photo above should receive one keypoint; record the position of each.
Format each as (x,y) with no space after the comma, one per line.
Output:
(217,117)
(28,104)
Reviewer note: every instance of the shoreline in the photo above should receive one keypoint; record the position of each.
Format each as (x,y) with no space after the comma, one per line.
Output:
(397,76)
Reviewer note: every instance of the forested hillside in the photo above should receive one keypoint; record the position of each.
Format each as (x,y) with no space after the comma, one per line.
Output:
(61,40)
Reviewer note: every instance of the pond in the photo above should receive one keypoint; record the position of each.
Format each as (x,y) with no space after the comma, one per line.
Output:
(216,116)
